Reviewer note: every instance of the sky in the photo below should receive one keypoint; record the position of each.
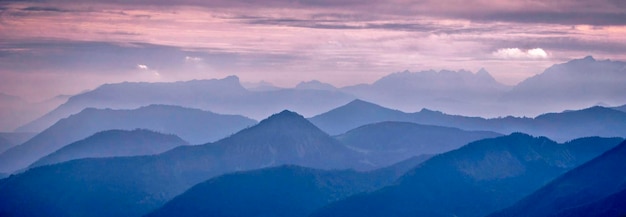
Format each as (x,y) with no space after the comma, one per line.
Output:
(51,47)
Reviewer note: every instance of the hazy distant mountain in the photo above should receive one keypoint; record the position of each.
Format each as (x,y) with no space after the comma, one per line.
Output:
(564,126)
(132,186)
(354,114)
(9,140)
(260,86)
(384,143)
(193,125)
(460,92)
(225,96)
(114,143)
(15,111)
(315,85)
(596,188)
(281,191)
(578,83)
(475,180)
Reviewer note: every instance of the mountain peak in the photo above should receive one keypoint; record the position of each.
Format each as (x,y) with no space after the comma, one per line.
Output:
(315,85)
(359,103)
(286,119)
(589,58)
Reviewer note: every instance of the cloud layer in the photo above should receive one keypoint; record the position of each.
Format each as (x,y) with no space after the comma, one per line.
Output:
(286,41)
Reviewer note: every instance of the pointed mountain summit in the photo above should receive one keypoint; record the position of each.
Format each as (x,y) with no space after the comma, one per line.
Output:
(596,188)
(287,138)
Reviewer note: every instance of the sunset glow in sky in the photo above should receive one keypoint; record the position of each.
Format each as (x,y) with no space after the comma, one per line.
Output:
(64,47)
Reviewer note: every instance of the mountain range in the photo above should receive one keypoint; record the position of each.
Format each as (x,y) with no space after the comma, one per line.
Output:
(294,191)
(225,96)
(579,83)
(459,92)
(192,125)
(474,180)
(597,188)
(385,143)
(132,186)
(114,143)
(563,126)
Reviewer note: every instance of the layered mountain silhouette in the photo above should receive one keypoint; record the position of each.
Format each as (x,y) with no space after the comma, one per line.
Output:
(315,85)
(9,140)
(114,143)
(564,126)
(193,125)
(132,186)
(225,96)
(15,111)
(475,180)
(459,92)
(280,191)
(575,84)
(596,188)
(384,143)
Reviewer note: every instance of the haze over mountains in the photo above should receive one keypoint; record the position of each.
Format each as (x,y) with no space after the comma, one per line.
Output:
(225,96)
(388,142)
(564,126)
(158,149)
(131,186)
(192,125)
(114,143)
(15,111)
(576,84)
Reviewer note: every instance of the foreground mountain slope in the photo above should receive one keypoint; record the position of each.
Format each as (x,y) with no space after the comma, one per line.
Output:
(114,143)
(133,186)
(384,143)
(193,125)
(474,180)
(596,188)
(280,191)
(563,126)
